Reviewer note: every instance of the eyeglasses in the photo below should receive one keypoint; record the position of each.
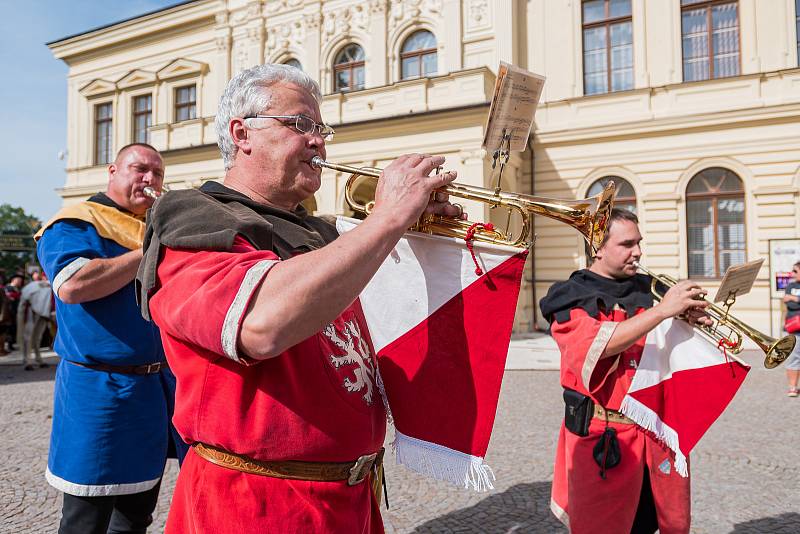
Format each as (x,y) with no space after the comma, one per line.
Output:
(302,124)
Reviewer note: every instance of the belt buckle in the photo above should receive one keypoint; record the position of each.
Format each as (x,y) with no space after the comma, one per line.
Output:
(361,468)
(151,368)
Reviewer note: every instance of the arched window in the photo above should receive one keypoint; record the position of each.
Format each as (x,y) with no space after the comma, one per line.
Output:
(625,197)
(292,62)
(418,55)
(348,69)
(715,222)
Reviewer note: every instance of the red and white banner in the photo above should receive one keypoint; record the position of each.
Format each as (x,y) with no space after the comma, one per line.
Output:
(682,385)
(441,333)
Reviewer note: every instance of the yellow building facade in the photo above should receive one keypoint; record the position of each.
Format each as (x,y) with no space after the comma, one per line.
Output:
(691,106)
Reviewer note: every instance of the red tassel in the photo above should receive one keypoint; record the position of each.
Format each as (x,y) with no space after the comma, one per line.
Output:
(470,237)
(725,344)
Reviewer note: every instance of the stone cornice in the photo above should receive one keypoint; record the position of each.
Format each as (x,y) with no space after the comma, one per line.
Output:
(682,123)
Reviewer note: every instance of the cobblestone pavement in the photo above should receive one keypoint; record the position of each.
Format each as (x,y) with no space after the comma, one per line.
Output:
(745,469)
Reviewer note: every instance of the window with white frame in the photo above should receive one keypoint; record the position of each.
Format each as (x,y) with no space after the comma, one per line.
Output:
(418,55)
(710,30)
(186,103)
(348,69)
(142,118)
(607,46)
(103,133)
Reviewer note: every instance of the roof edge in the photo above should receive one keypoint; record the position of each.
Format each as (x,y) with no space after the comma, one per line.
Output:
(123,21)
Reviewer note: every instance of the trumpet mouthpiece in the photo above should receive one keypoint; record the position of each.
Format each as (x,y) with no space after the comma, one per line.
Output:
(317,161)
(150,192)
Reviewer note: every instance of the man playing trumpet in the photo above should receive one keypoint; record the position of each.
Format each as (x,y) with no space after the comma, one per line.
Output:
(610,475)
(257,302)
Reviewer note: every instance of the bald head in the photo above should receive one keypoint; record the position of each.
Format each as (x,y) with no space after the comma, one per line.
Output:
(127,148)
(136,166)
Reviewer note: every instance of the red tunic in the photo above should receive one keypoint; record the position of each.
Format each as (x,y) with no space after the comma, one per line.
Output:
(581,499)
(318,401)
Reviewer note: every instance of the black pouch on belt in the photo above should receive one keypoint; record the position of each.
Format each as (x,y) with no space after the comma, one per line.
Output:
(606,452)
(578,412)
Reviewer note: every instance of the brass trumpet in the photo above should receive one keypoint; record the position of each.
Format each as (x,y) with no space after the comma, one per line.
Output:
(152,193)
(589,216)
(729,329)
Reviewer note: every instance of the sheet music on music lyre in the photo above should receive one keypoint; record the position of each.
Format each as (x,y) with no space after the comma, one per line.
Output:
(516,95)
(738,280)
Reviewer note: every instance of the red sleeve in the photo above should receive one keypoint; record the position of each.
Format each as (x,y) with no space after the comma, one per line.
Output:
(203,295)
(582,340)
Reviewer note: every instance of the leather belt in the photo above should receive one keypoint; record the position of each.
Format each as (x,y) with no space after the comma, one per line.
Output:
(353,472)
(612,415)
(146,369)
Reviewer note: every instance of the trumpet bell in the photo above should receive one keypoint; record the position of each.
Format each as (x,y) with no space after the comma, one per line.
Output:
(779,350)
(729,329)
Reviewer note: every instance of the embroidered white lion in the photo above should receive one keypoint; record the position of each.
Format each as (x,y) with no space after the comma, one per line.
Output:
(356,351)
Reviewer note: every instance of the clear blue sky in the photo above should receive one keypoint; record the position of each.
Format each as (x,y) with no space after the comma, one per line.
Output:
(33,92)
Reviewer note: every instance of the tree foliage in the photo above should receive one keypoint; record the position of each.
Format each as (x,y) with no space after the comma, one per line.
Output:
(14,220)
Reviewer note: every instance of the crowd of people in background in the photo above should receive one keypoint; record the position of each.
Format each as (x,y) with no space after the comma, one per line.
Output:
(27,321)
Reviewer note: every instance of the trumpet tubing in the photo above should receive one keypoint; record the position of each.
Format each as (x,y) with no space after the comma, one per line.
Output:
(729,328)
(589,216)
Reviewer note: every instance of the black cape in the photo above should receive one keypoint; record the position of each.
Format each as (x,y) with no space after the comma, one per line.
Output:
(211,217)
(594,294)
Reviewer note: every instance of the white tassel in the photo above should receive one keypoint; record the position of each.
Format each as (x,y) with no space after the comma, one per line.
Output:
(647,419)
(443,463)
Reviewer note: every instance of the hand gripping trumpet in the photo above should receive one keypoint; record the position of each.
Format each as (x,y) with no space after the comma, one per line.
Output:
(589,216)
(729,330)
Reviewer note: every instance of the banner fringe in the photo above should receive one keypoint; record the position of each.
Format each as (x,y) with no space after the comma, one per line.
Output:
(647,419)
(443,463)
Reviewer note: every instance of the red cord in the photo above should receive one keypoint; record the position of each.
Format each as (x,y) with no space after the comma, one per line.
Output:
(470,237)
(725,344)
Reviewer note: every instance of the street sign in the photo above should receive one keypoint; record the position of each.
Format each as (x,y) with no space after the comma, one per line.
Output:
(16,242)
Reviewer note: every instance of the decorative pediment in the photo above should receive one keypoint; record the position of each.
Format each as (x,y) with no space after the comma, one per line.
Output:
(136,77)
(182,67)
(98,87)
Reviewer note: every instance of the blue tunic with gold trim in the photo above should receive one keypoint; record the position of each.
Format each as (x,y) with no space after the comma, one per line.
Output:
(111,431)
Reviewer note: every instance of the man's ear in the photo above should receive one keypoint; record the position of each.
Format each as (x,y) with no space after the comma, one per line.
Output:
(598,255)
(240,135)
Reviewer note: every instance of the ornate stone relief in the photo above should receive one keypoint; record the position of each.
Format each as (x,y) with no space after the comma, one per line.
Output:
(241,57)
(283,36)
(239,17)
(223,43)
(378,7)
(478,15)
(402,10)
(341,22)
(274,6)
(255,33)
(312,21)
(249,13)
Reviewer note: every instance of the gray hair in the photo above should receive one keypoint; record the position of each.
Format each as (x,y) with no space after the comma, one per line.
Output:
(248,94)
